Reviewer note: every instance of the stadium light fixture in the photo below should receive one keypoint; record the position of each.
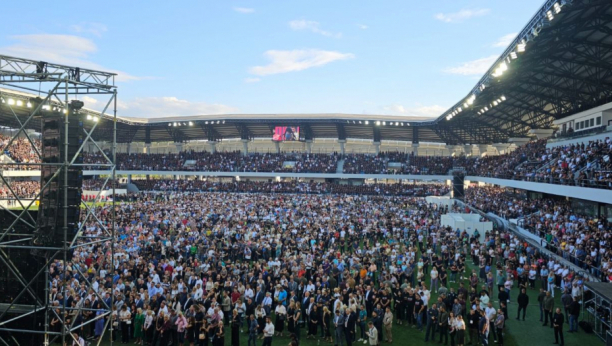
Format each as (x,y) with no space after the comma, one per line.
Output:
(19,103)
(557,7)
(503,98)
(495,103)
(223,122)
(359,122)
(460,110)
(29,104)
(377,123)
(550,15)
(191,123)
(384,123)
(486,108)
(513,55)
(96,119)
(471,99)
(169,124)
(521,46)
(396,123)
(46,107)
(367,122)
(465,105)
(11,102)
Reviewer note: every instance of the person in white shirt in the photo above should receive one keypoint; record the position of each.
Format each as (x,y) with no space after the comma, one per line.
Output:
(268,332)
(77,340)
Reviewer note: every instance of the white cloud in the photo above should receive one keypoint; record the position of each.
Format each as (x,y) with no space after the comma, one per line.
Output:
(155,107)
(244,10)
(282,61)
(362,26)
(96,29)
(474,67)
(68,50)
(420,111)
(301,24)
(462,15)
(89,101)
(505,41)
(251,80)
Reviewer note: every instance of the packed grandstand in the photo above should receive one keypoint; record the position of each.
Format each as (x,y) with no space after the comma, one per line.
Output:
(334,228)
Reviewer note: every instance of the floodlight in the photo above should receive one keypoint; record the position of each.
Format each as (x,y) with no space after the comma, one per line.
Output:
(377,123)
(11,102)
(557,7)
(513,55)
(29,105)
(169,124)
(486,108)
(521,46)
(174,124)
(550,15)
(396,123)
(494,103)
(191,123)
(19,103)
(503,98)
(95,119)
(384,123)
(89,117)
(46,107)
(367,122)
(460,110)
(359,121)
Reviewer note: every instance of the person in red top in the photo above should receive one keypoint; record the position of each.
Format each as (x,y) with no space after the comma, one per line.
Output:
(235,295)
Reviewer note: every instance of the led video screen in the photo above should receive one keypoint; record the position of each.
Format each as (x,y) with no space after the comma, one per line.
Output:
(286,133)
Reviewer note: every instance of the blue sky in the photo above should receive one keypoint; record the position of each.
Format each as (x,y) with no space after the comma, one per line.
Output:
(214,57)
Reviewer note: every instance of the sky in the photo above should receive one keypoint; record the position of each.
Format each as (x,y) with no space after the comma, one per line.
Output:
(178,58)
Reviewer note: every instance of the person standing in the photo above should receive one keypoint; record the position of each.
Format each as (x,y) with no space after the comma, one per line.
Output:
(541,297)
(372,334)
(388,324)
(349,326)
(235,327)
(483,329)
(473,319)
(339,328)
(126,320)
(268,332)
(549,305)
(557,323)
(574,312)
(432,321)
(500,322)
(253,327)
(460,325)
(523,302)
(443,323)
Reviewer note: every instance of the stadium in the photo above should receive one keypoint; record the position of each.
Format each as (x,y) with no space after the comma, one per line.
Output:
(488,224)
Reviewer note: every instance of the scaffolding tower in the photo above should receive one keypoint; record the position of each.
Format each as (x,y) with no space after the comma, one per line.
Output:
(30,90)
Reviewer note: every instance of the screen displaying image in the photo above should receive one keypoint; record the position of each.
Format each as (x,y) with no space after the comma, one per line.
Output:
(286,133)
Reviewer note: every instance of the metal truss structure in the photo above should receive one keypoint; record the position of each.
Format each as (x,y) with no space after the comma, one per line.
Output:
(57,86)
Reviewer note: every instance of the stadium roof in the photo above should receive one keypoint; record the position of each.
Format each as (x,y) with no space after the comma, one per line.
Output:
(559,64)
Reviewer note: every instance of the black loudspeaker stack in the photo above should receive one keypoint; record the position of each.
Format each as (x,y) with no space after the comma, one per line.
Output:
(51,220)
(458,185)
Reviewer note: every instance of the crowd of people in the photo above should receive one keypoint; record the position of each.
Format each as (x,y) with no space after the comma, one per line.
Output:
(581,239)
(200,267)
(20,150)
(293,186)
(588,165)
(21,189)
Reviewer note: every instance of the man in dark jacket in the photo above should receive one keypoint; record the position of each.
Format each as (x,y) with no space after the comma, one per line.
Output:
(574,312)
(549,305)
(432,321)
(557,323)
(472,320)
(523,301)
(443,324)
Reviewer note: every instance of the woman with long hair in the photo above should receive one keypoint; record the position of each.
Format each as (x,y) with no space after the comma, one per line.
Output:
(281,315)
(219,339)
(297,317)
(460,326)
(290,321)
(326,320)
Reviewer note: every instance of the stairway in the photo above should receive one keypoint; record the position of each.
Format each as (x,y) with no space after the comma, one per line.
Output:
(340,166)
